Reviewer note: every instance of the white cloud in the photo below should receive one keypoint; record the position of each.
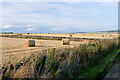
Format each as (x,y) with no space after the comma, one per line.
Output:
(7,26)
(30,29)
(29,25)
(54,15)
(16,26)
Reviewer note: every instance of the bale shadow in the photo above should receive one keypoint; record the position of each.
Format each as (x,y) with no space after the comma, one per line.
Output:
(43,46)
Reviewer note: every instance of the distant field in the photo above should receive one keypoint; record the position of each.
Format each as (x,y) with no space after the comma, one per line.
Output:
(78,35)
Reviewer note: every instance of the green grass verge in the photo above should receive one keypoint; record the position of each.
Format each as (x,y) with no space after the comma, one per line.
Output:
(102,66)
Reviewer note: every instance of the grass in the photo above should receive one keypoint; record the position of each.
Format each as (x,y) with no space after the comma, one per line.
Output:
(69,62)
(102,65)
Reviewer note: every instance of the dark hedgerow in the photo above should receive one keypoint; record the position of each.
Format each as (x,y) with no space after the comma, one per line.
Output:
(63,62)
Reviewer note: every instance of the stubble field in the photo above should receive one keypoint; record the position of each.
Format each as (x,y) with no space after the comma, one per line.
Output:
(16,49)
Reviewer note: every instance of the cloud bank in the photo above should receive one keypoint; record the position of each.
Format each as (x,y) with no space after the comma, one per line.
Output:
(59,16)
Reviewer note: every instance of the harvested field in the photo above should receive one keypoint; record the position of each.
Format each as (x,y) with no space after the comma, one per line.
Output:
(15,48)
(24,63)
(15,52)
(10,45)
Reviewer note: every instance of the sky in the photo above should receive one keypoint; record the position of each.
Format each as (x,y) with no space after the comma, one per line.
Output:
(58,17)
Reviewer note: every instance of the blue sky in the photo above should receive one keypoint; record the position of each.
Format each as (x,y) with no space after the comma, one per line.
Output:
(61,17)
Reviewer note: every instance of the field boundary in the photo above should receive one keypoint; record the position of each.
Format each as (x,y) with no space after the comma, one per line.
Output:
(50,37)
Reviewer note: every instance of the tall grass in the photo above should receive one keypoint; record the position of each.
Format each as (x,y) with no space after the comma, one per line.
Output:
(69,62)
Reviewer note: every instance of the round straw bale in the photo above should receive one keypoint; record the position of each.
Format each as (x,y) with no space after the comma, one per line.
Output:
(70,35)
(110,34)
(28,33)
(66,41)
(30,43)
